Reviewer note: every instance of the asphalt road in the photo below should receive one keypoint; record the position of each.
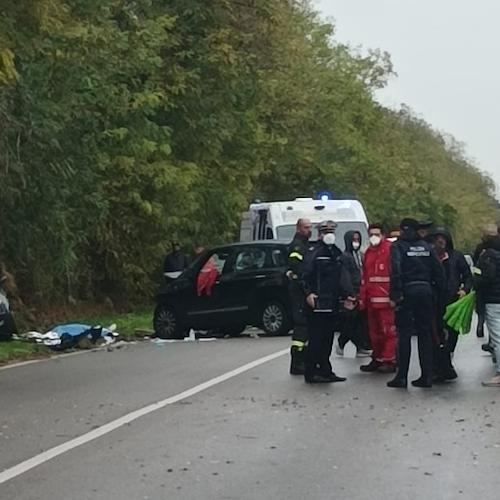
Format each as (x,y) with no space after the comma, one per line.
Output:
(259,434)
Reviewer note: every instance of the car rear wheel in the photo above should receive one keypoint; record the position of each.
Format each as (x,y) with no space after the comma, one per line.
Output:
(275,319)
(166,323)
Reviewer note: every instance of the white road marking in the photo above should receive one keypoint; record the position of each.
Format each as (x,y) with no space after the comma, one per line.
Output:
(49,358)
(40,459)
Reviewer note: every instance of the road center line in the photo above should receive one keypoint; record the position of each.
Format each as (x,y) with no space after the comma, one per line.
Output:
(40,459)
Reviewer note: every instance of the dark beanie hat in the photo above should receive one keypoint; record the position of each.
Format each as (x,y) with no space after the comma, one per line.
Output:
(409,224)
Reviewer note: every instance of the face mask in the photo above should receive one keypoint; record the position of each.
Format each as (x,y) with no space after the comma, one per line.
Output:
(356,245)
(375,241)
(329,239)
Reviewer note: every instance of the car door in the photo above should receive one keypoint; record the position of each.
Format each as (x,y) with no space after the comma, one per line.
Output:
(238,283)
(276,265)
(206,307)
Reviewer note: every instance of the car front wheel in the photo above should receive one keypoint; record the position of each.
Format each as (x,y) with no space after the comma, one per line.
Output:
(166,323)
(275,319)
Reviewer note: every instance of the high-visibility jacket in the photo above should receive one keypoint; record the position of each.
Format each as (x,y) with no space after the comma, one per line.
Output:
(296,253)
(375,285)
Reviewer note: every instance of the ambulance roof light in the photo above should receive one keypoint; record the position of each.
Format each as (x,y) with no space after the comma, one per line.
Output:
(324,196)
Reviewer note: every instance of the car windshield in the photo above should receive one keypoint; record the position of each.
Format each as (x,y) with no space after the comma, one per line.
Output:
(286,233)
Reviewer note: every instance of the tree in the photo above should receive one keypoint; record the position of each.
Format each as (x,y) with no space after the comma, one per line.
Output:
(125,124)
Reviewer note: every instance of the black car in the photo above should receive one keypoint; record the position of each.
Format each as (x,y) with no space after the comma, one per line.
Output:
(7,323)
(228,289)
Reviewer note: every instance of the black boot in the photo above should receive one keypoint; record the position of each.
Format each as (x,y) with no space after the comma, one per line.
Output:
(423,382)
(317,379)
(297,364)
(487,348)
(398,383)
(451,374)
(335,378)
(371,367)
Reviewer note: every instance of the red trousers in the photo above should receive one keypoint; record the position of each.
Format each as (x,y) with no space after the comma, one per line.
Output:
(382,332)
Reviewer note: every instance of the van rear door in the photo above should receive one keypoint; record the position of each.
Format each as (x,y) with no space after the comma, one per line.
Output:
(246,229)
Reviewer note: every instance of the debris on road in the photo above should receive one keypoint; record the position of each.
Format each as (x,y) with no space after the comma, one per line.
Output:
(73,336)
(141,334)
(162,342)
(121,344)
(194,336)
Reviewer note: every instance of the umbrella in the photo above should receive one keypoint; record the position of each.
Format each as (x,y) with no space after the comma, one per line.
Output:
(458,315)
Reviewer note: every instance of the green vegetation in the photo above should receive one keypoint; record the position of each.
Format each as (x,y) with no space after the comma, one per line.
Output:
(127,123)
(126,324)
(21,351)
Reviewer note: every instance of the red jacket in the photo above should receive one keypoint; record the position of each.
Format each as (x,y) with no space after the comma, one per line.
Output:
(207,278)
(375,285)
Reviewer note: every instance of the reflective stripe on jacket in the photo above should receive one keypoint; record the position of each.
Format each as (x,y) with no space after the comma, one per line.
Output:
(375,285)
(296,253)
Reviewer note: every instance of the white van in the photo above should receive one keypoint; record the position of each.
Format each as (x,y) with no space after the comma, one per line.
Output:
(277,220)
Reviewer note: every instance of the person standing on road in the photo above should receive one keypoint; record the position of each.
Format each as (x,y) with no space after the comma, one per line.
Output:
(175,261)
(325,281)
(458,276)
(374,298)
(425,230)
(198,250)
(353,323)
(297,252)
(458,283)
(417,278)
(487,283)
(394,235)
(489,231)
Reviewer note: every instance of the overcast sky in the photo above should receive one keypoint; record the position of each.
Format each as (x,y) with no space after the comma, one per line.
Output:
(447,56)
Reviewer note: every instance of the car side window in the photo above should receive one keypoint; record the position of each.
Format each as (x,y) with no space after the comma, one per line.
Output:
(249,259)
(278,257)
(218,261)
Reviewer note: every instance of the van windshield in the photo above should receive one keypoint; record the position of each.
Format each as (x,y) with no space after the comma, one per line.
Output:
(286,233)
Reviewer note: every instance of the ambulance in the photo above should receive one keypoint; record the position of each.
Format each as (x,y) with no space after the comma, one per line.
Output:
(277,220)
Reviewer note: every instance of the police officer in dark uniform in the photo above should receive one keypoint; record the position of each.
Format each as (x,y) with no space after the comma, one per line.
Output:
(297,251)
(325,281)
(417,280)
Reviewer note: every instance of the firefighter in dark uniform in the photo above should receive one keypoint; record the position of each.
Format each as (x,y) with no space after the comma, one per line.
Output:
(326,281)
(417,281)
(297,251)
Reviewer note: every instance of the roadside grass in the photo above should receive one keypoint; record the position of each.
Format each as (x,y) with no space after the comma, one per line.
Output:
(126,326)
(21,351)
(126,323)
